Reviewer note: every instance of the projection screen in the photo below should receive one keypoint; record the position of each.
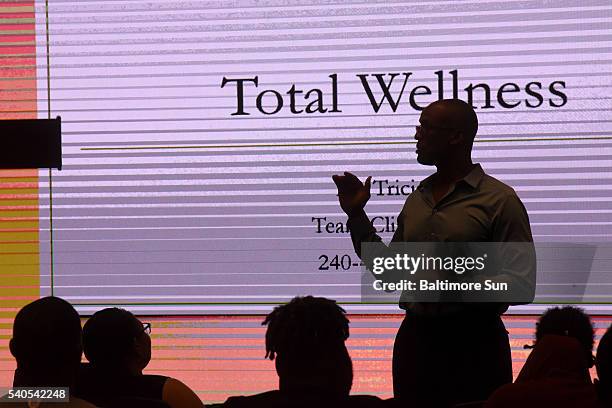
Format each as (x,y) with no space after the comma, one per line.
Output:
(200,138)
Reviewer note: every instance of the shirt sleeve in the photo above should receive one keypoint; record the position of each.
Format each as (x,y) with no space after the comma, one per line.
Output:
(362,232)
(511,222)
(510,228)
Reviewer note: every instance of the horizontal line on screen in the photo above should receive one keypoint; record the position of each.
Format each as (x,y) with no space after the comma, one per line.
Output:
(527,139)
(292,215)
(410,127)
(342,162)
(482,138)
(472,33)
(16,21)
(486,154)
(604,74)
(292,32)
(591,39)
(93,176)
(219,74)
(201,189)
(247,227)
(254,285)
(186,274)
(317,285)
(482,153)
(604,50)
(298,195)
(94,24)
(344,273)
(218,104)
(317,128)
(373,115)
(345,21)
(201,108)
(288,296)
(173,204)
(503,173)
(284,238)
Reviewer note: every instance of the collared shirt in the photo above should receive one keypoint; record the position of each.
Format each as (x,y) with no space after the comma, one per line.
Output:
(477,208)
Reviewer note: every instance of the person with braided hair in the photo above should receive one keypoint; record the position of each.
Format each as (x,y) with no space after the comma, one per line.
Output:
(568,321)
(306,340)
(556,373)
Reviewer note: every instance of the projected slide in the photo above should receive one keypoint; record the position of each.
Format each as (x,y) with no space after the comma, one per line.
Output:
(200,139)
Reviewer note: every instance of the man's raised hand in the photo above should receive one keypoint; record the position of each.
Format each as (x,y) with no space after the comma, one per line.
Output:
(352,193)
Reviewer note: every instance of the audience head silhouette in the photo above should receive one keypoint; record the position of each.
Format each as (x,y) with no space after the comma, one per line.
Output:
(114,339)
(46,343)
(446,132)
(306,337)
(568,321)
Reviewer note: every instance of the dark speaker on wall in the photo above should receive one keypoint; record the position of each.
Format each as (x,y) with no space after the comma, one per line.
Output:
(31,143)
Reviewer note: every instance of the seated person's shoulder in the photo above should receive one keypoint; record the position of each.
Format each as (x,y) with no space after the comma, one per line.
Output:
(365,401)
(73,403)
(177,394)
(275,399)
(110,388)
(265,399)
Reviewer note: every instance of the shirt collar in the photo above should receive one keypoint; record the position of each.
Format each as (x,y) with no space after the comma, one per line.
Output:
(472,178)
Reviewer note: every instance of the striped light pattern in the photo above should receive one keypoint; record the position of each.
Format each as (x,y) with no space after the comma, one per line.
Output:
(169,202)
(19,217)
(167,199)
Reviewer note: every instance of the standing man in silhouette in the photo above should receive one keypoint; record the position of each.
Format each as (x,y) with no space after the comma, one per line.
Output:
(446,353)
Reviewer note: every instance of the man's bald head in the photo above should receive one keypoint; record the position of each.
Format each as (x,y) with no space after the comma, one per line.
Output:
(46,343)
(47,330)
(446,132)
(460,115)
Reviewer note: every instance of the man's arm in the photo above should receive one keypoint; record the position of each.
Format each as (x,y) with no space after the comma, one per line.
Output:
(511,225)
(362,231)
(511,222)
(353,196)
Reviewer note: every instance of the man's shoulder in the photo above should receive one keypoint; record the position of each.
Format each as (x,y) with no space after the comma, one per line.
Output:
(492,185)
